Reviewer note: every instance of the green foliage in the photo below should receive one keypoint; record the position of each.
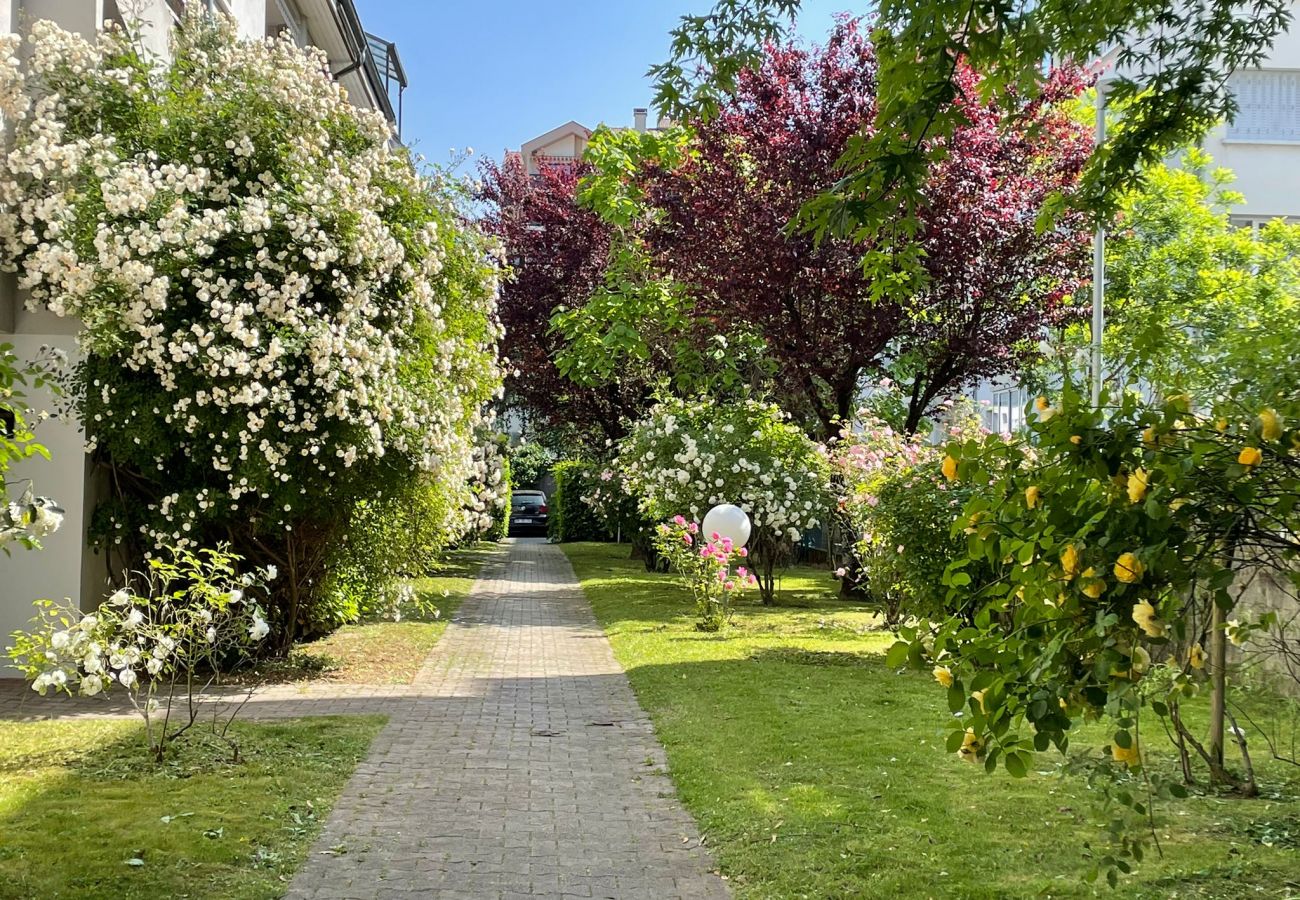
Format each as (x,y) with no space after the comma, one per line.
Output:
(641,315)
(387,540)
(901,509)
(1117,536)
(570,517)
(530,462)
(1189,294)
(1170,63)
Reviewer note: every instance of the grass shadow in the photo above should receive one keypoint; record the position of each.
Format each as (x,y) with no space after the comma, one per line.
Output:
(86,813)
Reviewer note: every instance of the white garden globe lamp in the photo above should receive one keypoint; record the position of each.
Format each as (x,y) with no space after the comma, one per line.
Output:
(729,522)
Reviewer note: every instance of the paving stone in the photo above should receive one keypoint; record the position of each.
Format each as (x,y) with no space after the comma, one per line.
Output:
(519,767)
(514,765)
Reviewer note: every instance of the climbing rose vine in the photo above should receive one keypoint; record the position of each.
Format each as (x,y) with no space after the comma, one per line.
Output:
(280,314)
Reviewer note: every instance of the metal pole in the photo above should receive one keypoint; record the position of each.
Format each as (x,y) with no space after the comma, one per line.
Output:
(1098,273)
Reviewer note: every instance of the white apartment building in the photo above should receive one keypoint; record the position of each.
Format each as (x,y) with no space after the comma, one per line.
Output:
(367,66)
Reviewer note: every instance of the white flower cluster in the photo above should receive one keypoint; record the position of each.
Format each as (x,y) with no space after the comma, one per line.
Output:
(28,519)
(252,248)
(487,492)
(687,457)
(193,618)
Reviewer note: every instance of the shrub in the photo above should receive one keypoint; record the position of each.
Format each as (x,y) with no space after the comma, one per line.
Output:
(388,540)
(688,456)
(713,570)
(571,519)
(902,512)
(282,318)
(196,617)
(1120,536)
(530,462)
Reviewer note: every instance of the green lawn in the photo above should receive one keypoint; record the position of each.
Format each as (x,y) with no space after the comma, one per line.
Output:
(387,652)
(816,772)
(84,813)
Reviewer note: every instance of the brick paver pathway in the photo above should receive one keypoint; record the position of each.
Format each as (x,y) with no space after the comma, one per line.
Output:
(522,766)
(518,763)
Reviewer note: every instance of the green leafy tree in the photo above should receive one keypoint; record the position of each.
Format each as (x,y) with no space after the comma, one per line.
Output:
(1172,62)
(1185,288)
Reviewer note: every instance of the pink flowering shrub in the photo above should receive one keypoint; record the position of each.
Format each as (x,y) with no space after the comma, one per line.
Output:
(710,567)
(901,510)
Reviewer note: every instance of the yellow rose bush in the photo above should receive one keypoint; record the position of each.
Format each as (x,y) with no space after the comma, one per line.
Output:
(1101,541)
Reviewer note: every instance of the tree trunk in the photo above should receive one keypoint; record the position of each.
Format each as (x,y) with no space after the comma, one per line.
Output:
(1218,685)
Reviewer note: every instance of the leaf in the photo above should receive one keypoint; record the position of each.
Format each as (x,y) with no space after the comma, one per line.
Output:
(897,655)
(956,697)
(1017,763)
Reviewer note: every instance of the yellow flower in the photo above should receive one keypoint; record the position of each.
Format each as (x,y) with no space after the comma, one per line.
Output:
(1144,614)
(1270,425)
(1196,656)
(1070,562)
(1235,633)
(1129,755)
(950,468)
(1139,659)
(1137,486)
(1129,569)
(1095,589)
(1149,435)
(1076,439)
(972,748)
(1221,425)
(1249,456)
(1031,496)
(1042,405)
(978,697)
(943,675)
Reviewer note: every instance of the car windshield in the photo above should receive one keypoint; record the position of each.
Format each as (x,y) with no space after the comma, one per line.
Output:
(527,499)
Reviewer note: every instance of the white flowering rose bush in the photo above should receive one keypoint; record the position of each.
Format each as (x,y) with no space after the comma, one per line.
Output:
(162,645)
(282,316)
(686,457)
(484,515)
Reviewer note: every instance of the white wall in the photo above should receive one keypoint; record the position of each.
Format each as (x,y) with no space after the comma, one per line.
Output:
(57,570)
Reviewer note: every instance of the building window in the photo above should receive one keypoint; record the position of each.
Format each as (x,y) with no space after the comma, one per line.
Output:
(1268,106)
(1006,415)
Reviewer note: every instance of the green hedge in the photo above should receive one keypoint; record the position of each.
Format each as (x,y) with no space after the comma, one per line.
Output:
(571,519)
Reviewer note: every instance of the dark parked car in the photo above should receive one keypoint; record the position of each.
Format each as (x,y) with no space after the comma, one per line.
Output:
(528,512)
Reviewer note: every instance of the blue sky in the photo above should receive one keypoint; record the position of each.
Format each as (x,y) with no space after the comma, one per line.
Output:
(492,74)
